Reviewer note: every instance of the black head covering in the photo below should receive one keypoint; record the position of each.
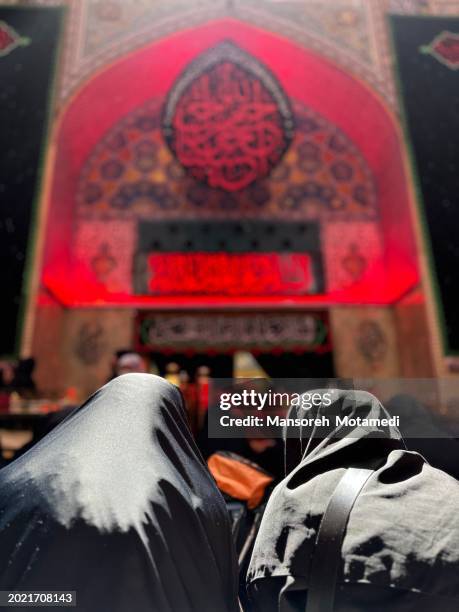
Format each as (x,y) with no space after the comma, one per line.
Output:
(304,444)
(117,504)
(403,532)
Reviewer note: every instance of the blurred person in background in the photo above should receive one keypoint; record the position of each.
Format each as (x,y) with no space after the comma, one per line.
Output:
(18,377)
(23,381)
(6,375)
(114,362)
(130,363)
(172,374)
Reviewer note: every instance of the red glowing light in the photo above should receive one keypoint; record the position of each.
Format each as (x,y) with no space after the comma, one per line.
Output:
(230,274)
(340,99)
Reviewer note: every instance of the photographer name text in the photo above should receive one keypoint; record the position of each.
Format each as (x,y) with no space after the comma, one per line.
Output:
(268,420)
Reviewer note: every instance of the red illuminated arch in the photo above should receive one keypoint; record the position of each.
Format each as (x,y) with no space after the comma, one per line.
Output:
(310,80)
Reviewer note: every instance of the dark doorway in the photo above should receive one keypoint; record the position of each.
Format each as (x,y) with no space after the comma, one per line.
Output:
(292,365)
(220,366)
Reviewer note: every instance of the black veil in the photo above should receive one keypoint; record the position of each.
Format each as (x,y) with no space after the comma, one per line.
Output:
(401,547)
(117,504)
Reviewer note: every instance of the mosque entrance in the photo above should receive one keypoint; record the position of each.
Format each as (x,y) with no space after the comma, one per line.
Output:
(240,344)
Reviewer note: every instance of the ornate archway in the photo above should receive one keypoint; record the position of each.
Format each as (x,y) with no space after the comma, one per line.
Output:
(228,123)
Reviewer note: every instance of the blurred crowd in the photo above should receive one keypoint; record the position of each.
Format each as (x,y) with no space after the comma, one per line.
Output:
(18,376)
(20,400)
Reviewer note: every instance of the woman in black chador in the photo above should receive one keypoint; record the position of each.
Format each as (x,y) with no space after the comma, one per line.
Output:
(117,504)
(359,523)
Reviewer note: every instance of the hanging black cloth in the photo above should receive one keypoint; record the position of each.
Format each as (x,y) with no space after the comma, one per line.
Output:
(401,545)
(117,504)
(424,435)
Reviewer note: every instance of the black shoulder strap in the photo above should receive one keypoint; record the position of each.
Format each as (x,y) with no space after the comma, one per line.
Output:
(327,554)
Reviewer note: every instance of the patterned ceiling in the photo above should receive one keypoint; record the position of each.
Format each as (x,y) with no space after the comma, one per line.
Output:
(351,33)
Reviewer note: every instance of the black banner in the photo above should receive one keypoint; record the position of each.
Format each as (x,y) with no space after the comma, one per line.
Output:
(28,43)
(242,258)
(231,331)
(427,52)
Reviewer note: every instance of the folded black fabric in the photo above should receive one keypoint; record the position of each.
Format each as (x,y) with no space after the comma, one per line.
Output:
(117,504)
(401,547)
